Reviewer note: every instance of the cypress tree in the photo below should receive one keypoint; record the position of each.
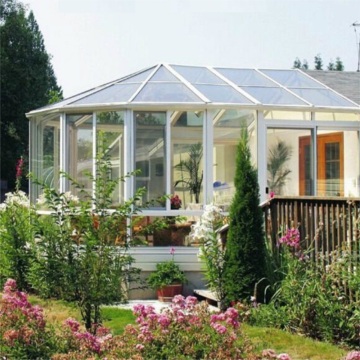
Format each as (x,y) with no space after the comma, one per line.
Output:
(245,247)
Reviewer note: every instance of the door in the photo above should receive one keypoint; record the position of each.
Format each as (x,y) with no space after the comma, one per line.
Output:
(330,165)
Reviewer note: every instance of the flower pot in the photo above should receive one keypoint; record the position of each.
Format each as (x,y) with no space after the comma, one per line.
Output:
(166,293)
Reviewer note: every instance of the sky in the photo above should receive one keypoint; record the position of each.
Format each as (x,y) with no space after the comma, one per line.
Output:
(93,42)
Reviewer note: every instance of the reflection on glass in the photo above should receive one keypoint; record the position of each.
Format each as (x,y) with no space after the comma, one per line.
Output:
(51,160)
(110,141)
(81,151)
(187,156)
(227,131)
(289,162)
(150,154)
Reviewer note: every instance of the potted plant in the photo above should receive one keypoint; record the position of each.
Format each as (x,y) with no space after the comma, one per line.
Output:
(167,279)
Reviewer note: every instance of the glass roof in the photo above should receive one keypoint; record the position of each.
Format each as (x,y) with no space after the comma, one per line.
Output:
(169,84)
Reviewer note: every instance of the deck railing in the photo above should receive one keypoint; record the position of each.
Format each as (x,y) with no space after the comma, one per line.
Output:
(325,224)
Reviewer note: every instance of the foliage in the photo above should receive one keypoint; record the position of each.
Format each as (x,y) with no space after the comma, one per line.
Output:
(23,334)
(211,250)
(16,234)
(82,248)
(279,154)
(186,330)
(245,247)
(27,81)
(326,310)
(166,273)
(191,168)
(318,64)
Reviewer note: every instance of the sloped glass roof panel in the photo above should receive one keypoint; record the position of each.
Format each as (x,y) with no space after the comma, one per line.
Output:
(198,75)
(223,94)
(234,118)
(163,74)
(273,96)
(246,77)
(292,78)
(166,92)
(112,94)
(323,97)
(138,78)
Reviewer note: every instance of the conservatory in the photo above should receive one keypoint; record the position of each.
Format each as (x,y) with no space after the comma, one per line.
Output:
(180,126)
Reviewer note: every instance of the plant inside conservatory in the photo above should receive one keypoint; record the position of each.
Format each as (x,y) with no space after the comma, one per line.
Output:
(191,175)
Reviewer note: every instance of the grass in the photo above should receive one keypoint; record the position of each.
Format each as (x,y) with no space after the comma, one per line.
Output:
(298,347)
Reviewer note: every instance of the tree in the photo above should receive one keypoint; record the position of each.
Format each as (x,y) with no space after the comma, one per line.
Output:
(318,62)
(298,65)
(27,82)
(339,66)
(245,247)
(331,65)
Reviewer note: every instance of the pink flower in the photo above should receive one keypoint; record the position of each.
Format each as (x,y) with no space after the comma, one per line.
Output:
(139,346)
(272,194)
(19,166)
(283,357)
(221,329)
(353,355)
(172,251)
(72,324)
(175,202)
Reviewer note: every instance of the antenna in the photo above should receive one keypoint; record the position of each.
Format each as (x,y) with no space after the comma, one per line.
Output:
(355,25)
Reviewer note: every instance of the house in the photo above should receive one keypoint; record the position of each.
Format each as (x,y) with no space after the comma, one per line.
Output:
(303,128)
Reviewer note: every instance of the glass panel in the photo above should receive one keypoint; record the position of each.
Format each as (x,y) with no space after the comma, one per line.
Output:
(174,232)
(292,78)
(289,162)
(81,150)
(287,115)
(166,92)
(223,94)
(227,129)
(112,94)
(330,163)
(150,154)
(322,97)
(266,95)
(351,163)
(330,116)
(187,158)
(138,78)
(110,139)
(198,75)
(246,77)
(45,148)
(163,74)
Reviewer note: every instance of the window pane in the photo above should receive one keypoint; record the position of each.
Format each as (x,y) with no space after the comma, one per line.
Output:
(246,77)
(166,92)
(187,157)
(112,94)
(332,116)
(138,78)
(292,78)
(110,140)
(287,115)
(323,97)
(198,75)
(163,74)
(81,150)
(279,96)
(227,129)
(150,154)
(289,162)
(223,94)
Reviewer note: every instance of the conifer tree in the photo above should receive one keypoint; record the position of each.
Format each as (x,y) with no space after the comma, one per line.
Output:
(245,247)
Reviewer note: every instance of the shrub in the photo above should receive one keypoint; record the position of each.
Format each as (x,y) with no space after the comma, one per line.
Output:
(22,327)
(82,247)
(16,235)
(211,250)
(326,310)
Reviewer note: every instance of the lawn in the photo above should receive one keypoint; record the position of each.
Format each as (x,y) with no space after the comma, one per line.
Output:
(298,347)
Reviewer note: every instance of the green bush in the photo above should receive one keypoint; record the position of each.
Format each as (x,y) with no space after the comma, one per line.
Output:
(314,298)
